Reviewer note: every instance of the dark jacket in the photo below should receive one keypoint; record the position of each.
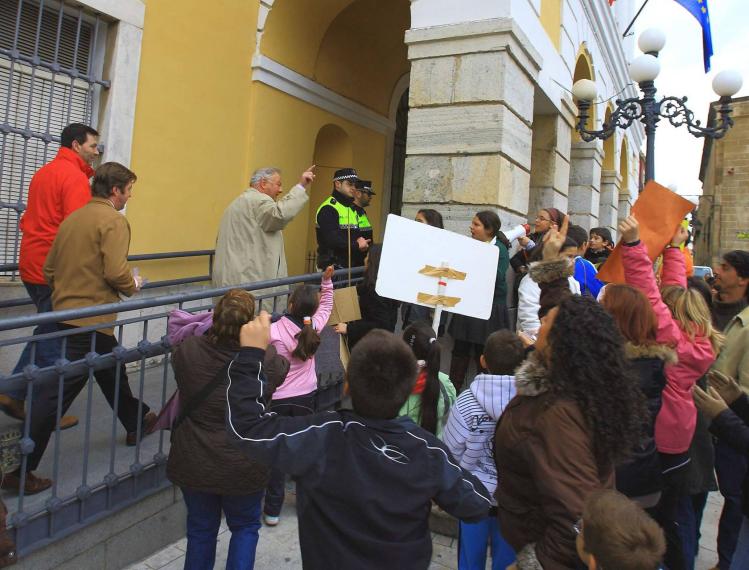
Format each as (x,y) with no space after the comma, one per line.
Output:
(376,313)
(732,427)
(543,450)
(641,475)
(200,457)
(474,330)
(365,486)
(597,258)
(332,239)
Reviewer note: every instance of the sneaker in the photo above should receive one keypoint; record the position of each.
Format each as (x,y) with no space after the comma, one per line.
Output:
(148,420)
(270,520)
(34,484)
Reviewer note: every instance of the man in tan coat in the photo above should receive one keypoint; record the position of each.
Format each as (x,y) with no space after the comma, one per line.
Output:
(87,266)
(250,246)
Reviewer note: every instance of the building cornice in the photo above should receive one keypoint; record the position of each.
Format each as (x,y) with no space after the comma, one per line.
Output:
(286,80)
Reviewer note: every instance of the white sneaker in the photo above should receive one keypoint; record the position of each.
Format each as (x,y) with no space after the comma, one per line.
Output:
(269,520)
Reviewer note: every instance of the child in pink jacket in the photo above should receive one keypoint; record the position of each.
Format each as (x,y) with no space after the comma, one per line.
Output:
(295,336)
(684,323)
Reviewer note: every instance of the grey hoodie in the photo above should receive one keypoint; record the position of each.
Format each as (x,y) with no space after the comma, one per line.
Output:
(469,432)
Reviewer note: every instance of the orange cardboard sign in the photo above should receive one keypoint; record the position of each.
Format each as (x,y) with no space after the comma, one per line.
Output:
(659,212)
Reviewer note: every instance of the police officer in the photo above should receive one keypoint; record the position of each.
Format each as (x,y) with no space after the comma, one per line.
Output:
(362,197)
(336,224)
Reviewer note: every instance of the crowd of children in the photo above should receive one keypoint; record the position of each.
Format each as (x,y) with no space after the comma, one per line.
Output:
(569,449)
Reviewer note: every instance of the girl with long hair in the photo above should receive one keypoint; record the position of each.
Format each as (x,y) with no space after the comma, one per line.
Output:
(469,334)
(640,477)
(684,322)
(376,312)
(212,476)
(433,394)
(296,337)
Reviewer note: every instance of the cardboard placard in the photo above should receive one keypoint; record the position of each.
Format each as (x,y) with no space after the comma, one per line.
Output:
(467,266)
(345,306)
(659,212)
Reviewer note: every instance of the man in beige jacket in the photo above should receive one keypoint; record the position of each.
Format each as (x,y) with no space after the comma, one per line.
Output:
(87,266)
(730,313)
(250,246)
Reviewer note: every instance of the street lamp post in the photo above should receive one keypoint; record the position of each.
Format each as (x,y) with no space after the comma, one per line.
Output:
(644,70)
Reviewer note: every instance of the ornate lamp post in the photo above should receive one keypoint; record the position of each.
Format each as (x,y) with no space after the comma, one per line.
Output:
(643,70)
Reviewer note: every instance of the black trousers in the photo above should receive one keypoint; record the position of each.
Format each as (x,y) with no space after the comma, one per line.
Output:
(44,405)
(675,474)
(295,406)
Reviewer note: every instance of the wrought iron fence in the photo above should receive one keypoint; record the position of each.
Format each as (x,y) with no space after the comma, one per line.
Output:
(93,473)
(210,253)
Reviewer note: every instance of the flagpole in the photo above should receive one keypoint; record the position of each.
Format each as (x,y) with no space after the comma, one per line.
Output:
(632,23)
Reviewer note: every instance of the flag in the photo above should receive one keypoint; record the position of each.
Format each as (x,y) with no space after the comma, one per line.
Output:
(698,9)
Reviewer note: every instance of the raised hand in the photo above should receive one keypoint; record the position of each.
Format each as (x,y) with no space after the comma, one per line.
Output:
(308,176)
(629,229)
(256,333)
(726,386)
(554,239)
(680,236)
(328,273)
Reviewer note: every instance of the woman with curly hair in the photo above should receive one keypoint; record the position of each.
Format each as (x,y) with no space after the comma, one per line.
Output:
(577,413)
(684,322)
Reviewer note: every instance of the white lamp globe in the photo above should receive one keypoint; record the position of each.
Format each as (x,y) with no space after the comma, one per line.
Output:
(727,83)
(644,68)
(584,90)
(651,40)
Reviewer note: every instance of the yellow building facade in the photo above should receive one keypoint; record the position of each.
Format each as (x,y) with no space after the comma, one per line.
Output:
(454,105)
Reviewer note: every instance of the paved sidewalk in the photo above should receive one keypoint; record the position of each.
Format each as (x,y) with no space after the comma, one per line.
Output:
(279,546)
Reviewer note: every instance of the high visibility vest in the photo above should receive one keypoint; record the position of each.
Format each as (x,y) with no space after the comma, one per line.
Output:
(364,224)
(347,218)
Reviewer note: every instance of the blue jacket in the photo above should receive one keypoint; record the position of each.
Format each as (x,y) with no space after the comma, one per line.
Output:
(585,275)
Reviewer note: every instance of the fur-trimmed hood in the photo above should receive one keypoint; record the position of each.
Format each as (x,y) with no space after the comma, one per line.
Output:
(532,378)
(551,270)
(659,351)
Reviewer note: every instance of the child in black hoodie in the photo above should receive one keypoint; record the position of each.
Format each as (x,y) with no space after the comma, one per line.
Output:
(365,478)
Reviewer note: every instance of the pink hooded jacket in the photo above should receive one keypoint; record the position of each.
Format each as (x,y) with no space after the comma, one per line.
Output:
(302,377)
(674,425)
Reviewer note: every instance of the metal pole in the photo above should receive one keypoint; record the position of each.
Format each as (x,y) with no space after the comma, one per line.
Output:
(650,120)
(632,23)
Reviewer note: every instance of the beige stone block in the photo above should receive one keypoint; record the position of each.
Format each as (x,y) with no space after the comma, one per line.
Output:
(561,175)
(469,129)
(431,82)
(486,180)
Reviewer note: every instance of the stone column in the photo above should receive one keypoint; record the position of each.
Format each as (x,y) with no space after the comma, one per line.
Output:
(550,163)
(585,183)
(611,182)
(469,123)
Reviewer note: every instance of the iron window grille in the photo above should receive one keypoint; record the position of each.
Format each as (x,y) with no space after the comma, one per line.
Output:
(51,61)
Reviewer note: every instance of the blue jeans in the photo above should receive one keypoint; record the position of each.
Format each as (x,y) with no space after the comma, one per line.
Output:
(731,467)
(741,552)
(47,351)
(204,519)
(472,542)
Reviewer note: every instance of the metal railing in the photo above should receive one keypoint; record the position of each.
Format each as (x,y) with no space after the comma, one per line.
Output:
(93,473)
(22,301)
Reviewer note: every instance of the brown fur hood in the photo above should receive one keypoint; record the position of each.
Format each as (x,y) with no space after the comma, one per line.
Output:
(532,377)
(551,270)
(659,351)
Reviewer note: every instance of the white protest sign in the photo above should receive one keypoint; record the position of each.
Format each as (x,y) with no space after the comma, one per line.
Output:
(417,257)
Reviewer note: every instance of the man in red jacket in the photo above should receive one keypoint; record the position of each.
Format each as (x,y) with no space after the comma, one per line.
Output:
(57,189)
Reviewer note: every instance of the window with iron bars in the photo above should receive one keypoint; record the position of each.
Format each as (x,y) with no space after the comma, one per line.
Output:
(51,60)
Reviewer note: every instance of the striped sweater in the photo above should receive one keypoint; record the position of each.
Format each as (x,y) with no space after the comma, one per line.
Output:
(469,432)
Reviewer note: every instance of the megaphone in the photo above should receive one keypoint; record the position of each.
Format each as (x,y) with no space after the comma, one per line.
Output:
(518,232)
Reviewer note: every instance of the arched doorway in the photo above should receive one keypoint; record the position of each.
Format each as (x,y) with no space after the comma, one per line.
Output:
(399,155)
(332,151)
